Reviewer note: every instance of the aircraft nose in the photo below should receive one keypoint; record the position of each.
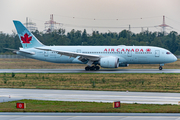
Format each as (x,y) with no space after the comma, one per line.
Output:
(171,58)
(175,58)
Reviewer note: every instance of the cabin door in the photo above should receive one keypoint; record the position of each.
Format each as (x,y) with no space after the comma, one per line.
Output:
(157,53)
(129,54)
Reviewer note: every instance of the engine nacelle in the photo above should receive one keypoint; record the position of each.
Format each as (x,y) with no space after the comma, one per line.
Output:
(109,62)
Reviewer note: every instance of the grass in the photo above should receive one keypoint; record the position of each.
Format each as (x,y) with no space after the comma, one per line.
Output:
(36,64)
(93,107)
(86,81)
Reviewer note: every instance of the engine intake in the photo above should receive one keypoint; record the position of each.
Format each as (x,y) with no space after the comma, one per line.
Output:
(109,62)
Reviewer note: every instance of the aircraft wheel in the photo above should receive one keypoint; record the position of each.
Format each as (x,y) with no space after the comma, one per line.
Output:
(92,68)
(160,67)
(87,68)
(97,68)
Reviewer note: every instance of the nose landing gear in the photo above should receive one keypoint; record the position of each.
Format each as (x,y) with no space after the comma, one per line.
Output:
(160,68)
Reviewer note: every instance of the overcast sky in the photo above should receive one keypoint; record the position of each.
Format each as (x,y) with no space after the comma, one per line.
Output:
(101,15)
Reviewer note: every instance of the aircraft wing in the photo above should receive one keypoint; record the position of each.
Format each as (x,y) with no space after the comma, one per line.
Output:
(83,57)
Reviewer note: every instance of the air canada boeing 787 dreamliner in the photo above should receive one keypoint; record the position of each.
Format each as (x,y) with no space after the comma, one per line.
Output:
(93,56)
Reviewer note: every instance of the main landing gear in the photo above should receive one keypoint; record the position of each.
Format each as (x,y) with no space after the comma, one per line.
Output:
(92,68)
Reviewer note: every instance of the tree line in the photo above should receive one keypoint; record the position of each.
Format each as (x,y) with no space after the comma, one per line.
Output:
(170,41)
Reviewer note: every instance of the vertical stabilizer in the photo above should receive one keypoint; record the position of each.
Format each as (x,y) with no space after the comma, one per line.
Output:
(27,39)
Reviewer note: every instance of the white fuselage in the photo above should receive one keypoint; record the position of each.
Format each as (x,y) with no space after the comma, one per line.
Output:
(126,54)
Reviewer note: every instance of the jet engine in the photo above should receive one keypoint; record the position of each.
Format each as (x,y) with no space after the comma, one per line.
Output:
(109,62)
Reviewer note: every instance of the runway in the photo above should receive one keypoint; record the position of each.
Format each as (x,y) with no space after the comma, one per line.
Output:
(90,96)
(83,71)
(89,116)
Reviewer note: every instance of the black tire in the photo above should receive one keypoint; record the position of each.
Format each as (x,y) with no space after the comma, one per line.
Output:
(160,67)
(92,68)
(97,68)
(87,68)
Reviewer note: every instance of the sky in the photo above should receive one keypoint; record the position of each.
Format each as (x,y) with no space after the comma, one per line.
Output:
(93,15)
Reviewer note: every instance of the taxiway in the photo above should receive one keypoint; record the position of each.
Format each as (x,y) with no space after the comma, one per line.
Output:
(89,96)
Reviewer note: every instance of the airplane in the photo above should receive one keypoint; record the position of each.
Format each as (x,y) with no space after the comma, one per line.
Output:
(93,56)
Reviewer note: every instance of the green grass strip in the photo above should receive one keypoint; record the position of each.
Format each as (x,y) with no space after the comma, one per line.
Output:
(103,82)
(87,107)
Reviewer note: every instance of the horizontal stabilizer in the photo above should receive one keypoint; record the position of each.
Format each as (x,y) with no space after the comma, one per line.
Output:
(13,50)
(27,52)
(10,49)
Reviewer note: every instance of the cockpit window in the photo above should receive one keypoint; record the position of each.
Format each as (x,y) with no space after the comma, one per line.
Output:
(168,53)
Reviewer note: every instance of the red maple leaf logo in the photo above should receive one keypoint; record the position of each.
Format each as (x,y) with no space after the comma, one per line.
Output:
(148,50)
(26,38)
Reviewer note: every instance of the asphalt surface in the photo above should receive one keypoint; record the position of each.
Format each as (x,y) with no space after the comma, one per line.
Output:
(89,116)
(83,71)
(90,96)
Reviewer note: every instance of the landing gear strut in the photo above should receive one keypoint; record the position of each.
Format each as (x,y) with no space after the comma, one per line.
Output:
(87,68)
(160,68)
